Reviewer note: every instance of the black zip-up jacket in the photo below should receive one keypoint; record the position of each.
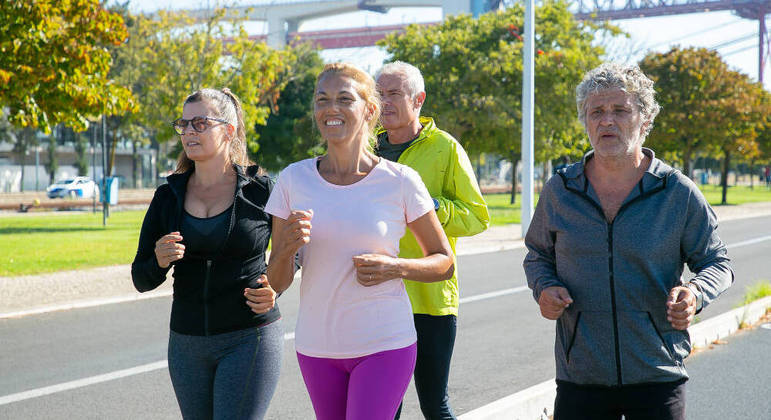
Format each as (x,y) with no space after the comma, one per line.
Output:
(208,289)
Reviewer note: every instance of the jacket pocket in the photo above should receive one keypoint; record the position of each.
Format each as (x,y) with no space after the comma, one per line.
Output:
(589,350)
(661,337)
(572,338)
(646,353)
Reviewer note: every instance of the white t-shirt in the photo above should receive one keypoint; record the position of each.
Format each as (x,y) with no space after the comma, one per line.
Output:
(338,317)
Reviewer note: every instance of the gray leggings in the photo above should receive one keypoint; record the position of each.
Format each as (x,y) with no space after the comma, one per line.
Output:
(226,376)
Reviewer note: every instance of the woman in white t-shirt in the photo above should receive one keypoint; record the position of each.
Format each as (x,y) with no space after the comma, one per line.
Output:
(345,213)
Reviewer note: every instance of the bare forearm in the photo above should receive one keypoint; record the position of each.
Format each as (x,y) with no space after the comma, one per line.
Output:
(281,271)
(429,269)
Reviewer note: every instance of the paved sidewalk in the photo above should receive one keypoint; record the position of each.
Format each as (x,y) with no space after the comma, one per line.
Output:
(67,289)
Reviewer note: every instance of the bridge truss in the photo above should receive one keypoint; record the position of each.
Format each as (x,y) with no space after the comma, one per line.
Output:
(632,9)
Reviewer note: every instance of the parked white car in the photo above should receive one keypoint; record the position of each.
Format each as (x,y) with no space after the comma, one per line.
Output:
(78,187)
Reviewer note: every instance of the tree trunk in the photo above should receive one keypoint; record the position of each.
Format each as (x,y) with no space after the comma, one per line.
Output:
(752,174)
(687,161)
(53,163)
(134,159)
(81,152)
(546,173)
(514,161)
(22,161)
(724,176)
(479,168)
(23,141)
(111,158)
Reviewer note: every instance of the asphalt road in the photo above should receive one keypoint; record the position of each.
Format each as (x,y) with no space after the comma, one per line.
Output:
(107,361)
(732,380)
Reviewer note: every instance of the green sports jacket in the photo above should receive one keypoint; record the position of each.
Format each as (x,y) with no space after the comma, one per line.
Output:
(446,170)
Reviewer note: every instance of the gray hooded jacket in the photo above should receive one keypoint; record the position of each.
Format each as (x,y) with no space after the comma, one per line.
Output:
(619,274)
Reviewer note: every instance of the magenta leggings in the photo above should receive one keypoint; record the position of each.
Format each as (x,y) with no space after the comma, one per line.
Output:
(367,387)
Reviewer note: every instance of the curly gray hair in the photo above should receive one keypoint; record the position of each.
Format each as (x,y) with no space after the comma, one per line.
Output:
(630,79)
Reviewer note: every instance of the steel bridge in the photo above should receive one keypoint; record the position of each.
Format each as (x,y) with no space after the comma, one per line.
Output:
(284,16)
(633,9)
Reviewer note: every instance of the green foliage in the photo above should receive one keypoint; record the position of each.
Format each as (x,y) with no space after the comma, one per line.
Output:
(290,133)
(688,86)
(171,55)
(54,65)
(706,107)
(473,73)
(757,291)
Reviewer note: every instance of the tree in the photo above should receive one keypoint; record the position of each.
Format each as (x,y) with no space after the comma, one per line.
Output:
(473,73)
(290,134)
(764,130)
(26,139)
(54,65)
(706,107)
(81,153)
(170,55)
(52,165)
(741,118)
(688,83)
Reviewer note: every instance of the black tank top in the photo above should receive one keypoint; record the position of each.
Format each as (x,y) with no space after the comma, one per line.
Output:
(205,236)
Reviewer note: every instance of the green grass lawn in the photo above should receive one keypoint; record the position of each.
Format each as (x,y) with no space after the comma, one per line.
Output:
(43,243)
(739,194)
(47,242)
(501,212)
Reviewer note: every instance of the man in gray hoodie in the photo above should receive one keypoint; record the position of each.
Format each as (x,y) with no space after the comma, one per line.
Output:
(606,251)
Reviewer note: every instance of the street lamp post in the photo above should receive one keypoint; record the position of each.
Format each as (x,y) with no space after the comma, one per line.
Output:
(528,102)
(93,165)
(105,204)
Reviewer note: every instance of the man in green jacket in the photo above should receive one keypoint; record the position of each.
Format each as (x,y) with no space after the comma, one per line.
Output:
(415,141)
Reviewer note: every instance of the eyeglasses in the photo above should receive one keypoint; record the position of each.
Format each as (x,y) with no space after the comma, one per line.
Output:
(200,124)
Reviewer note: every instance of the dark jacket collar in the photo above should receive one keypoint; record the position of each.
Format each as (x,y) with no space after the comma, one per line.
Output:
(654,176)
(178,181)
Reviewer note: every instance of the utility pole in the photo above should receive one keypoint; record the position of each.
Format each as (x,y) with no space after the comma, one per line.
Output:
(105,203)
(762,38)
(528,102)
(93,165)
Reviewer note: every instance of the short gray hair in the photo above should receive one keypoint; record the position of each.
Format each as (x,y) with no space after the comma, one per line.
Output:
(415,82)
(630,79)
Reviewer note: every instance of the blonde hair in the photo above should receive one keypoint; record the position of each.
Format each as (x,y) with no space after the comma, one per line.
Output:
(227,107)
(365,89)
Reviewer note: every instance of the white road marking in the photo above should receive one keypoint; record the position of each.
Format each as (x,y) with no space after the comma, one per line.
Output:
(493,294)
(88,303)
(66,386)
(39,392)
(749,242)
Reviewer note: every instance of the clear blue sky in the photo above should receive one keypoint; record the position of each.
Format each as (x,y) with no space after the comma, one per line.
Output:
(735,38)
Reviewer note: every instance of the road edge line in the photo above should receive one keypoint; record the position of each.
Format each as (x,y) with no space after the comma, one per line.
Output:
(87,304)
(537,402)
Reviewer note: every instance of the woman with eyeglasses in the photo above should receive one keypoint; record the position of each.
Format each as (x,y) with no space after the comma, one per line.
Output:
(345,213)
(208,221)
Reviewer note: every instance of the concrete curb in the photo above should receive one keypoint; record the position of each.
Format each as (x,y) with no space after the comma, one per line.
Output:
(715,328)
(534,403)
(537,402)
